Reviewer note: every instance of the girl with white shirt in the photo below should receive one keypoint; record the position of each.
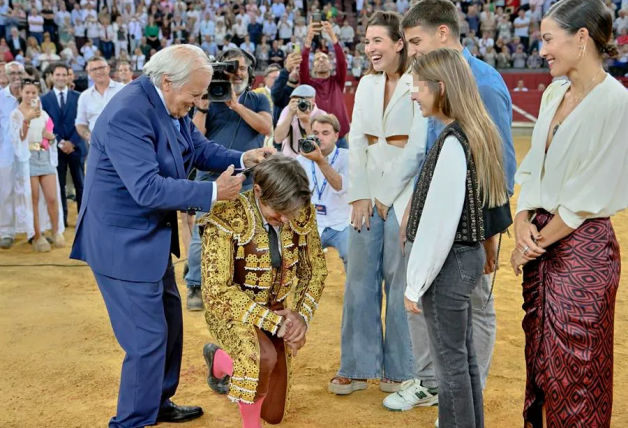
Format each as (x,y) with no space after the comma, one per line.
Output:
(572,181)
(386,128)
(461,180)
(36,159)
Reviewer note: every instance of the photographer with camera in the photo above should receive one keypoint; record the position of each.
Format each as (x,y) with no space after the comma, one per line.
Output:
(327,168)
(239,122)
(295,121)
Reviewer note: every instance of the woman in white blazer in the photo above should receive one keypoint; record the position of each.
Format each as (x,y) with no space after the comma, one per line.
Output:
(386,130)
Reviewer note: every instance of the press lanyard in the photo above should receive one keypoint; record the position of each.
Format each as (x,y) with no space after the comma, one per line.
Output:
(320,191)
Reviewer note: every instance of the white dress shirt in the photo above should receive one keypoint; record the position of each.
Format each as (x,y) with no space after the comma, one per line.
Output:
(439,219)
(58,95)
(584,173)
(91,103)
(336,202)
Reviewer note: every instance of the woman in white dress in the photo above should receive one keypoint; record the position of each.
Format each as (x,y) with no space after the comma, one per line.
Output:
(572,181)
(386,129)
(36,159)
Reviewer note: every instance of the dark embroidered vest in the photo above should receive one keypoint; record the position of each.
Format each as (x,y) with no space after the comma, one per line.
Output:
(471,226)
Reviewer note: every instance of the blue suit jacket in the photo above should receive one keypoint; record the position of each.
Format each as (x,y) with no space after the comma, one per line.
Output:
(135,183)
(64,120)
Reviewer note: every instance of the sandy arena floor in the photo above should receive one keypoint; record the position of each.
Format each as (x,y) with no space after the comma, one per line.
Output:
(60,362)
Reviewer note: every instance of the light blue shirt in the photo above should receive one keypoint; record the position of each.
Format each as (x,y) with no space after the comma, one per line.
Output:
(497,101)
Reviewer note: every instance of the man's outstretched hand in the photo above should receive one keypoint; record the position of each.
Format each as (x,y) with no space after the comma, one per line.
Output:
(257,156)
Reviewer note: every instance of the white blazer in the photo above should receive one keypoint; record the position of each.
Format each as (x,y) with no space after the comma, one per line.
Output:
(381,170)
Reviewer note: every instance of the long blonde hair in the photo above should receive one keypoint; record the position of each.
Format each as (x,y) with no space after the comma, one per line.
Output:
(461,102)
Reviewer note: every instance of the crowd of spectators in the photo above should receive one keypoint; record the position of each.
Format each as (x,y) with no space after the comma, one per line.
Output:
(504,33)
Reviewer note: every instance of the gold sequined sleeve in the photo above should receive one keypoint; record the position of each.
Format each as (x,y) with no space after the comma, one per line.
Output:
(221,295)
(312,268)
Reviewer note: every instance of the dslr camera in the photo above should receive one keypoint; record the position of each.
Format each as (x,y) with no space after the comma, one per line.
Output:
(309,143)
(304,105)
(220,87)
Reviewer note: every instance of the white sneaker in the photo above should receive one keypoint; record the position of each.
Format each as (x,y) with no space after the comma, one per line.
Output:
(411,394)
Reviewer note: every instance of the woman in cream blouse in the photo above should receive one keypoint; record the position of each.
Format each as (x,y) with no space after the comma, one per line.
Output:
(572,180)
(386,128)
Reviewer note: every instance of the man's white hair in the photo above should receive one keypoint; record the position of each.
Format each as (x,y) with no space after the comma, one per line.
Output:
(10,65)
(177,62)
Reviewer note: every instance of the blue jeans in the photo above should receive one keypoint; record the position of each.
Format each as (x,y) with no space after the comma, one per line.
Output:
(366,353)
(449,320)
(193,277)
(106,49)
(38,36)
(338,240)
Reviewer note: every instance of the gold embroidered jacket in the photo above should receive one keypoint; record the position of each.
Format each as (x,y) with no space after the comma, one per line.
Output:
(240,286)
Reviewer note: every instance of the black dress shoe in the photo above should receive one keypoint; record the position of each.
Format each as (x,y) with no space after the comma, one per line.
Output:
(174,413)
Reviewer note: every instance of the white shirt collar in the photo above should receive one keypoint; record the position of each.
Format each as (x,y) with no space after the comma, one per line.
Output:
(112,84)
(65,92)
(265,223)
(163,100)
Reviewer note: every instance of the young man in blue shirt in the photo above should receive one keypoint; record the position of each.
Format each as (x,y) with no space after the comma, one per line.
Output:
(430,25)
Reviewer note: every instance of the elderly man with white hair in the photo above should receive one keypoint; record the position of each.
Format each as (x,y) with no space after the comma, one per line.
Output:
(142,148)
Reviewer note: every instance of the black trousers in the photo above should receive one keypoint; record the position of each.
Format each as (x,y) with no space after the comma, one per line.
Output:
(76,164)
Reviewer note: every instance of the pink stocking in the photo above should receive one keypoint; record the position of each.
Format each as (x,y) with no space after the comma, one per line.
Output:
(223,364)
(251,414)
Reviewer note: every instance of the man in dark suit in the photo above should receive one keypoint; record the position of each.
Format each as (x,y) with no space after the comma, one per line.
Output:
(61,105)
(142,149)
(16,43)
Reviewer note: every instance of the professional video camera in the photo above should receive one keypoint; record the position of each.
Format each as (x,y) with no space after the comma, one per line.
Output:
(220,87)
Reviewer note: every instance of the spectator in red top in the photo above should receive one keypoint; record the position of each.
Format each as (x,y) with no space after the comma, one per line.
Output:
(329,89)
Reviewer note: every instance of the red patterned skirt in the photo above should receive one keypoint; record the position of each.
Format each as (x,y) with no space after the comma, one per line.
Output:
(569,302)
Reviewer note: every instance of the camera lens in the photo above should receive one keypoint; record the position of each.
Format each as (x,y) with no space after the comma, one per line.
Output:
(217,91)
(303,105)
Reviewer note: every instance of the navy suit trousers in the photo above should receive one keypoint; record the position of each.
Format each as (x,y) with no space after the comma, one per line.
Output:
(148,324)
(76,163)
